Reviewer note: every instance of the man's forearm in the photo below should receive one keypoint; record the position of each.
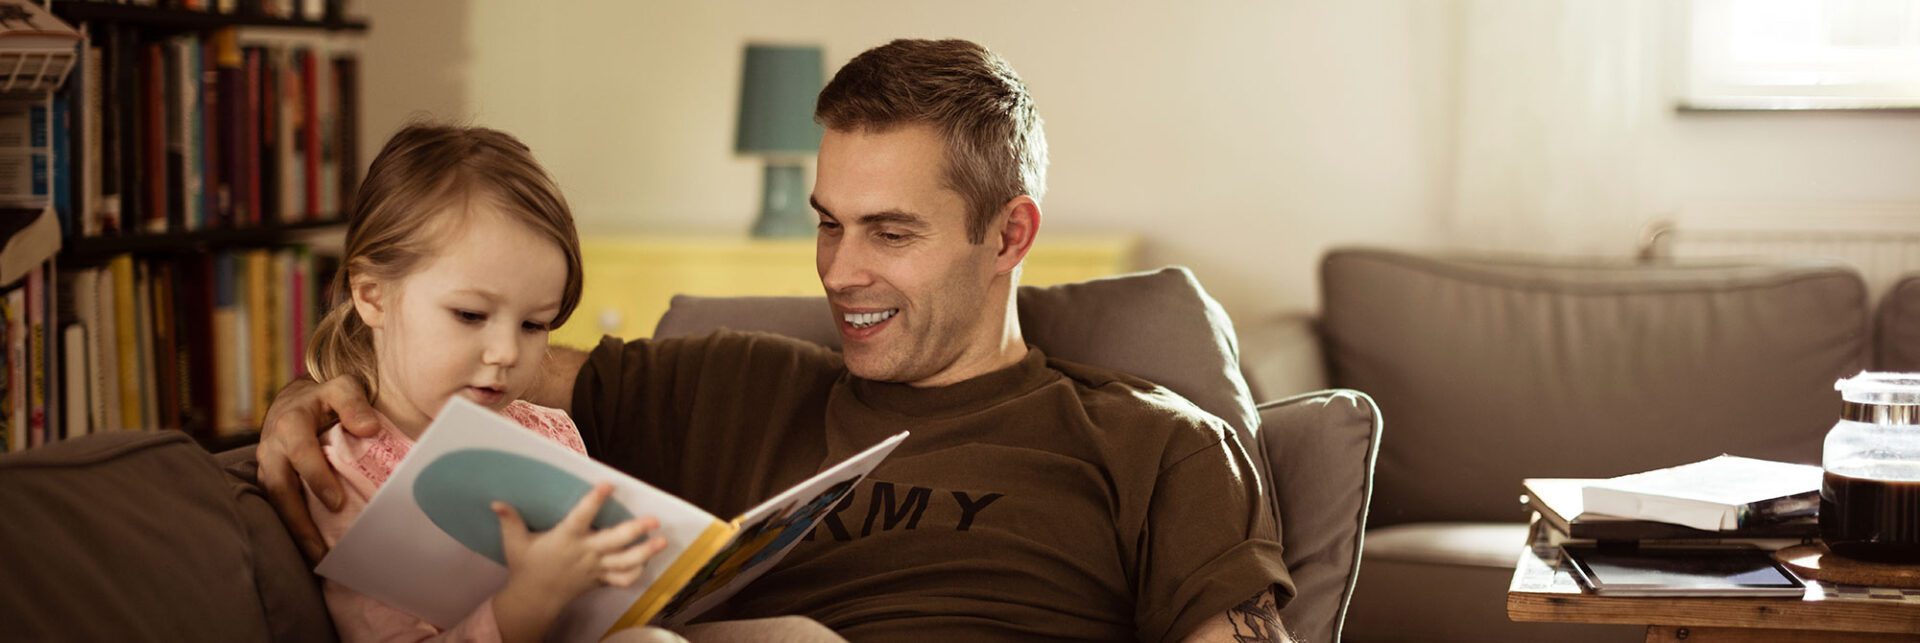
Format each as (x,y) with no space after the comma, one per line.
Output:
(1257,620)
(554,388)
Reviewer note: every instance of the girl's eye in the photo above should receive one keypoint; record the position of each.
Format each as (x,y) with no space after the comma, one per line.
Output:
(534,327)
(469,317)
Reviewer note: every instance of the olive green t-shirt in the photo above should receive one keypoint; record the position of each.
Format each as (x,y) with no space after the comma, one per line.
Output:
(1047,500)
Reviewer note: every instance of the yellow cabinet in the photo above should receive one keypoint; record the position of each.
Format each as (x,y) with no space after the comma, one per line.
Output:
(630,281)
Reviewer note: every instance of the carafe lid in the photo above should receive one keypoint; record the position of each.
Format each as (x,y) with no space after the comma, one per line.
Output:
(1880,388)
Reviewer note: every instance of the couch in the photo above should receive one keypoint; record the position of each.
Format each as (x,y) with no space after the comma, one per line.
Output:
(145,536)
(1502,368)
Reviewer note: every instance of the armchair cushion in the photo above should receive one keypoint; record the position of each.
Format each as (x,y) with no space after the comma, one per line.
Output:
(1321,447)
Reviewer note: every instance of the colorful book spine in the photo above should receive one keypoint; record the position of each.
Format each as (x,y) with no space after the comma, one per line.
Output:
(36,319)
(16,307)
(126,332)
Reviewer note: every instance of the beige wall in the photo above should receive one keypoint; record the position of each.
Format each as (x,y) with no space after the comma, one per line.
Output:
(1238,138)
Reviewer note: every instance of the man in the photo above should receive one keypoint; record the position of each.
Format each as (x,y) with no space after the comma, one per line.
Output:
(1035,499)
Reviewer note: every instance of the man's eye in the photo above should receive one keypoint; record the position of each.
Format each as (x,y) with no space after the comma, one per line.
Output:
(891,237)
(829,226)
(469,317)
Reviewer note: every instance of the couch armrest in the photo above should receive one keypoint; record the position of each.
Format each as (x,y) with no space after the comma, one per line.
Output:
(1280,356)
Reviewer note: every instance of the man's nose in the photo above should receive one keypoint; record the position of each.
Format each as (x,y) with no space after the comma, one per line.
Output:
(844,265)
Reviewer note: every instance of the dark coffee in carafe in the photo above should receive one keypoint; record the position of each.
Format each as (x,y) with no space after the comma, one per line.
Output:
(1873,519)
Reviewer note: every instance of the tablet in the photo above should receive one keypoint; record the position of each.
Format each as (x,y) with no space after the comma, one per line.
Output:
(1680,571)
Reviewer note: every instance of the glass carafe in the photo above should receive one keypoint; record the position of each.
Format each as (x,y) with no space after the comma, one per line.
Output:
(1870,496)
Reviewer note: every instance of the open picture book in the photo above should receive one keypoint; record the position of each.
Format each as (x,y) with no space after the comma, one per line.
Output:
(429,543)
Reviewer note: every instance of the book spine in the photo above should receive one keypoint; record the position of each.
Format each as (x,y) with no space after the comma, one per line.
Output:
(676,576)
(166,349)
(154,135)
(232,103)
(347,116)
(86,303)
(99,217)
(17,369)
(203,352)
(227,367)
(126,333)
(310,125)
(260,343)
(36,359)
(73,345)
(251,134)
(144,340)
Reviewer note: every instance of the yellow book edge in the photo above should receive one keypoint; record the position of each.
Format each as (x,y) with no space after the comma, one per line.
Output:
(677,576)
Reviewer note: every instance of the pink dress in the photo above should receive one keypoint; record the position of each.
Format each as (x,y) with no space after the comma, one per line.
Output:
(363,464)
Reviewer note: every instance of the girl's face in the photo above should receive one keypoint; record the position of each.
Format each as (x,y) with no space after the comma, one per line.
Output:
(471,321)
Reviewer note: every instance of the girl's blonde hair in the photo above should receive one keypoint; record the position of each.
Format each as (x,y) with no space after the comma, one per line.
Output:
(423,170)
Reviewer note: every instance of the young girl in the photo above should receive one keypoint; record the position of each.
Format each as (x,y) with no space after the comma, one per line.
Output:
(460,256)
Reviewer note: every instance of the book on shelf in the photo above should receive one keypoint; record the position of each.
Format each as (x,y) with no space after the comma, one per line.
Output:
(1559,503)
(231,128)
(429,543)
(1718,494)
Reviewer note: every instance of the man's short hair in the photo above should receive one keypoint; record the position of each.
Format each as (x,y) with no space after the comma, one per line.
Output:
(995,147)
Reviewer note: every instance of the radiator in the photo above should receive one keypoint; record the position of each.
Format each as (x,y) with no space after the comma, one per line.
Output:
(1882,241)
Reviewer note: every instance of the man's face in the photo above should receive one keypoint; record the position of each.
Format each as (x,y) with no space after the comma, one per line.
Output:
(909,291)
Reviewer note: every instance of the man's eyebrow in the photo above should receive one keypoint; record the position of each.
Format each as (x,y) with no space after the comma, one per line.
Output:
(896,217)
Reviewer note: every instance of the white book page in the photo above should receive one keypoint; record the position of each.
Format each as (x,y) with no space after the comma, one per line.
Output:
(423,543)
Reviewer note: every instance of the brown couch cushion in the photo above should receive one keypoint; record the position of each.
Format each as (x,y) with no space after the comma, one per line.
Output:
(1160,326)
(1322,446)
(141,536)
(1498,370)
(1896,331)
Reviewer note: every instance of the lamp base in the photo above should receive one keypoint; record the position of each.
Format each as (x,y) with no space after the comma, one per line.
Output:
(784,211)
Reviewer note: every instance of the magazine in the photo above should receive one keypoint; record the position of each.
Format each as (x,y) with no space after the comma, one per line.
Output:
(429,543)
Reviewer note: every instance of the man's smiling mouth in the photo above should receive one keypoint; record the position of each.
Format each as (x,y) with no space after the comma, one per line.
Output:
(864,320)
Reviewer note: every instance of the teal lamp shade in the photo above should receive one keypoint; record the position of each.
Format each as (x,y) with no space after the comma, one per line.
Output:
(778,87)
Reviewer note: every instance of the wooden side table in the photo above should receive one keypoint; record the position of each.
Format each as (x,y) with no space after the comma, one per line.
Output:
(1544,592)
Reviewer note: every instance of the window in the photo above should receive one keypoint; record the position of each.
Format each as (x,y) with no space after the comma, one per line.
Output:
(1803,54)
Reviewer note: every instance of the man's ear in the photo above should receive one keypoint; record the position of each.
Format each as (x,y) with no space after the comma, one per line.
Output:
(369,299)
(1020,223)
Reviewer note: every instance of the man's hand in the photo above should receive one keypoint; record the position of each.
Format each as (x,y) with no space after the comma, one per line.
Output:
(1256,620)
(289,450)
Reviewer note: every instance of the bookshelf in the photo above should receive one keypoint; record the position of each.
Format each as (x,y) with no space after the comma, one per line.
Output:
(199,148)
(78,11)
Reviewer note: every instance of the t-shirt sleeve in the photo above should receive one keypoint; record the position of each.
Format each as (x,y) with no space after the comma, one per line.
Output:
(1209,543)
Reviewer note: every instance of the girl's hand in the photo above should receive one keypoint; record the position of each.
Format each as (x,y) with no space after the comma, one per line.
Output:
(573,558)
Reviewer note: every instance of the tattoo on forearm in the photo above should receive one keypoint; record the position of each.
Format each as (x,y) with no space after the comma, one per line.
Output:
(1257,620)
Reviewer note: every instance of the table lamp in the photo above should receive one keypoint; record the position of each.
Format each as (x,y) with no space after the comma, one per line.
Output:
(777,89)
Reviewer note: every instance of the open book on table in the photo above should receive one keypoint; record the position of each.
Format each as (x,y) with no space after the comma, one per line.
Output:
(429,543)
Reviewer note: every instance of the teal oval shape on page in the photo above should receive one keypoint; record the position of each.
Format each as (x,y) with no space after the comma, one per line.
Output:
(457,492)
